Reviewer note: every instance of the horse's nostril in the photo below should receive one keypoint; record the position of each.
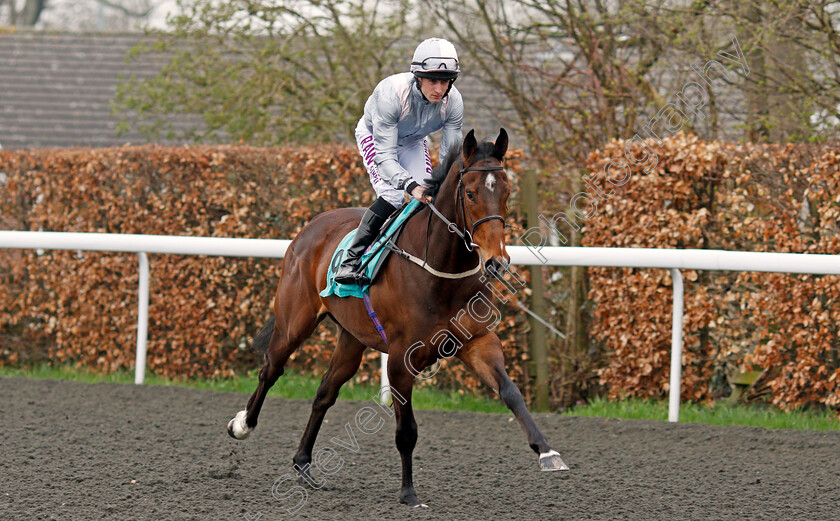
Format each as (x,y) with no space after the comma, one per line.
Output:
(493,267)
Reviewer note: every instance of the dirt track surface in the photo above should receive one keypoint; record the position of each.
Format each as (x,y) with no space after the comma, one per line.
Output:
(114,451)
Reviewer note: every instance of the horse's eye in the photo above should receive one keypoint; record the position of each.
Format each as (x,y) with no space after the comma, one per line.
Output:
(470,195)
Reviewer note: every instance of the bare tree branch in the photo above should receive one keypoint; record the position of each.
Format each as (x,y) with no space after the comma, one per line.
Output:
(142,13)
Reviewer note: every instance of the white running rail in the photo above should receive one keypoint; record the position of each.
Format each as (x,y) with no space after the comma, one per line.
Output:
(672,260)
(141,245)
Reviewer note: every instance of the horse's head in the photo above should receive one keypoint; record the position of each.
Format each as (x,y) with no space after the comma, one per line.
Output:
(481,198)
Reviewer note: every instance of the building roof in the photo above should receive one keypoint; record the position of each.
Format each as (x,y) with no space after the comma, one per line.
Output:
(56,90)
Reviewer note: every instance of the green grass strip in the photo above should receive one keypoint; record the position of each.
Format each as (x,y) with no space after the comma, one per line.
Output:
(290,385)
(302,387)
(718,414)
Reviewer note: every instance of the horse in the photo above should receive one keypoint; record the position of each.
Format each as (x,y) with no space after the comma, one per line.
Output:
(465,236)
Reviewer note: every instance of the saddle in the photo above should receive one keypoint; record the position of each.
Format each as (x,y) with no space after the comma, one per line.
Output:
(374,258)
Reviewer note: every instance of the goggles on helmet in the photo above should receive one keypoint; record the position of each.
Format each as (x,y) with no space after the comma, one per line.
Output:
(436,67)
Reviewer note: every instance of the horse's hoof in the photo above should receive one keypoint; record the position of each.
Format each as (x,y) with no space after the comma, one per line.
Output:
(412,501)
(304,476)
(237,428)
(550,461)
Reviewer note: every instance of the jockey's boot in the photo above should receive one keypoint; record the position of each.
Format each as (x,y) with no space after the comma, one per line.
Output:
(350,271)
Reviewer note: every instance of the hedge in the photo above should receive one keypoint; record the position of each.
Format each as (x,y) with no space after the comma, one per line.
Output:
(708,195)
(80,307)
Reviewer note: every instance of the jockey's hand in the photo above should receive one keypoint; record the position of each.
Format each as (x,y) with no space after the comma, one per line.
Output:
(419,193)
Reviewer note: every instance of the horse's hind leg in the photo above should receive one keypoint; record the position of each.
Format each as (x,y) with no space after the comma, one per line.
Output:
(402,383)
(293,323)
(483,355)
(344,363)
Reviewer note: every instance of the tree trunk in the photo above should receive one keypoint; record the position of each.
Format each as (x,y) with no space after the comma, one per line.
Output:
(29,15)
(12,13)
(576,338)
(790,110)
(756,91)
(537,334)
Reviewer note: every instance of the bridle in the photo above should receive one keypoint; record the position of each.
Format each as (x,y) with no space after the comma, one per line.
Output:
(467,235)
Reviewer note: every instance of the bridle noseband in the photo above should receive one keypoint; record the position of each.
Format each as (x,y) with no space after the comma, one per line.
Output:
(467,235)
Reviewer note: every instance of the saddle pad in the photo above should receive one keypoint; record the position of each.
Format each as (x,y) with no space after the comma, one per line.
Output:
(374,256)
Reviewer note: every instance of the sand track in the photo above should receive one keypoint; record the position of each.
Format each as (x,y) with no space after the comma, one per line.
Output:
(113,451)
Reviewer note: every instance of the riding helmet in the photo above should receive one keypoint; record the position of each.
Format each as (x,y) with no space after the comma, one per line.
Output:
(437,59)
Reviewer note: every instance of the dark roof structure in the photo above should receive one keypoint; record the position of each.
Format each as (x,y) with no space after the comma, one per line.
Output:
(56,91)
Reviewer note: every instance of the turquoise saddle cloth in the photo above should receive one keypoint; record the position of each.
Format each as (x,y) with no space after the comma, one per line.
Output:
(374,256)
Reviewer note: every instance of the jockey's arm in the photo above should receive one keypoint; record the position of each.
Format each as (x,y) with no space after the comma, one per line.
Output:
(385,139)
(452,134)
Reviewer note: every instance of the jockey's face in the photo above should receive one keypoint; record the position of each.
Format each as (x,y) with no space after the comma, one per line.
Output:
(433,89)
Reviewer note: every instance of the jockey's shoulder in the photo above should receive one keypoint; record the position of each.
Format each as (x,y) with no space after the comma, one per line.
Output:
(395,81)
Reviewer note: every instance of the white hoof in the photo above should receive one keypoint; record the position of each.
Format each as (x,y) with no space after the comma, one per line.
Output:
(237,427)
(551,461)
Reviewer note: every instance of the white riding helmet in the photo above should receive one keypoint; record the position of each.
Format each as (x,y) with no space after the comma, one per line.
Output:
(435,58)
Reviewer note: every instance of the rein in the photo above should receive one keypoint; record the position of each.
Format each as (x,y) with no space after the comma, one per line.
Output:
(422,263)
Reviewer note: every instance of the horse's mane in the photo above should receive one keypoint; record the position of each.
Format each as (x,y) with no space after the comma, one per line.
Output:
(485,149)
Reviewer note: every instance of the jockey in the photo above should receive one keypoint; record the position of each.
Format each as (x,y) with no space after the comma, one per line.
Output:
(392,138)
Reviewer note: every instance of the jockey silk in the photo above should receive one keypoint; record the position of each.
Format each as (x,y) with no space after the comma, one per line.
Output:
(393,131)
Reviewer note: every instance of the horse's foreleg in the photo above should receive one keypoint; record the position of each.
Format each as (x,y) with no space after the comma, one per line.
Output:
(402,382)
(286,337)
(483,355)
(344,363)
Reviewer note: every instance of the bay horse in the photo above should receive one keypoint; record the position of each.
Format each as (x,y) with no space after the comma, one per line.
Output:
(412,303)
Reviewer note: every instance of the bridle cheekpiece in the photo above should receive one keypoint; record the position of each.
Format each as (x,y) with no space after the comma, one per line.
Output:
(465,212)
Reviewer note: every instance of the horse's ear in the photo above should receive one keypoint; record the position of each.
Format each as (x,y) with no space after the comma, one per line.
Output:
(501,145)
(470,145)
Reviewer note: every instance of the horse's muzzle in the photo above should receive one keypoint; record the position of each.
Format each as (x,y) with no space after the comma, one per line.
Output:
(497,266)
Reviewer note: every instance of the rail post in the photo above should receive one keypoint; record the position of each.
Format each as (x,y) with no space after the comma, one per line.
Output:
(676,347)
(385,387)
(142,318)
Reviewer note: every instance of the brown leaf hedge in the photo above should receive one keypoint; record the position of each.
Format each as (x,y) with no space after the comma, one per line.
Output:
(81,307)
(708,195)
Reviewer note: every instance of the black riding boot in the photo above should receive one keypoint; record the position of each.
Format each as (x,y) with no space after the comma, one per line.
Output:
(350,271)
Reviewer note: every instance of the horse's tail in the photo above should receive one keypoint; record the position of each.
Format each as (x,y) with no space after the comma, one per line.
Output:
(260,343)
